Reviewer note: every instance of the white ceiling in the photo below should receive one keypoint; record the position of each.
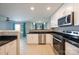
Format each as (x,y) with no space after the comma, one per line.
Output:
(22,12)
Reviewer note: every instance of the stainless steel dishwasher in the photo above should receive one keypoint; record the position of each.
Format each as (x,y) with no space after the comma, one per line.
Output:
(42,39)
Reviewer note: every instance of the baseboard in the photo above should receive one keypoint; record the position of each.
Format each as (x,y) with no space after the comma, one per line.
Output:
(32,44)
(37,44)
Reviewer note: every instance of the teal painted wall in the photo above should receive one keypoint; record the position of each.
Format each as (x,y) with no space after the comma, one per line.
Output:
(6,25)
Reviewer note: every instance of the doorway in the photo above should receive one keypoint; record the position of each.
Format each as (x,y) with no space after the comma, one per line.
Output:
(17,27)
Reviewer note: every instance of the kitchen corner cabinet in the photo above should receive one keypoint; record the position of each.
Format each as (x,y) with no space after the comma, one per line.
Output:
(9,48)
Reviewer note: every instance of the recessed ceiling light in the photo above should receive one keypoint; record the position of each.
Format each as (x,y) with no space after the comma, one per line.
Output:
(48,8)
(32,8)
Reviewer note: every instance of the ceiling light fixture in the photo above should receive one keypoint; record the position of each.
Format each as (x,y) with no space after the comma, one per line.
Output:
(48,8)
(32,8)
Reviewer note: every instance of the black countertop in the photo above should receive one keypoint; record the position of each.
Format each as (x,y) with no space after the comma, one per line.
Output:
(40,31)
(55,32)
(6,39)
(69,38)
(74,40)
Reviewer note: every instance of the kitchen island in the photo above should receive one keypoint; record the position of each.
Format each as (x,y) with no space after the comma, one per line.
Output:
(40,37)
(9,42)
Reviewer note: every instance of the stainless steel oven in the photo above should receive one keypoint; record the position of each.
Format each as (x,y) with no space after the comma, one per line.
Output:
(59,44)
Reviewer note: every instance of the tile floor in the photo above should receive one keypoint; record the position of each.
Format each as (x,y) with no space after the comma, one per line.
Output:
(39,50)
(32,49)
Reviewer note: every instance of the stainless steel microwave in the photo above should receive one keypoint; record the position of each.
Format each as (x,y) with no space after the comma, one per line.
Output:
(66,20)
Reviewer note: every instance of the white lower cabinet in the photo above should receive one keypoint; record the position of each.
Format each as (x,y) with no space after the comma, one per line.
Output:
(71,49)
(32,38)
(49,39)
(39,39)
(3,50)
(9,48)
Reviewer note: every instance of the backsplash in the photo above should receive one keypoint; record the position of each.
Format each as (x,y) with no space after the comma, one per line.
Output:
(69,28)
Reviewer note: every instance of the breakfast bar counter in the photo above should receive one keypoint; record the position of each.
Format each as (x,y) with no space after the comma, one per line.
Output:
(9,42)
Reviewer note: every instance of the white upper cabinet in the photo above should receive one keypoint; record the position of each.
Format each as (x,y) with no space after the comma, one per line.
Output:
(64,10)
(76,13)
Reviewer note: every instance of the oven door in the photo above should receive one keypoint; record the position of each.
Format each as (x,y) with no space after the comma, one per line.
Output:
(59,45)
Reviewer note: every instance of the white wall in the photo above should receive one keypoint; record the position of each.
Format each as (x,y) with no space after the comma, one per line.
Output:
(62,11)
(6,25)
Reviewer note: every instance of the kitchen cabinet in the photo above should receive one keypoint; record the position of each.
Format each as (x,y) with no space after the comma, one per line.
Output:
(9,42)
(64,10)
(3,50)
(71,49)
(9,48)
(32,38)
(39,38)
(53,22)
(76,14)
(49,39)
